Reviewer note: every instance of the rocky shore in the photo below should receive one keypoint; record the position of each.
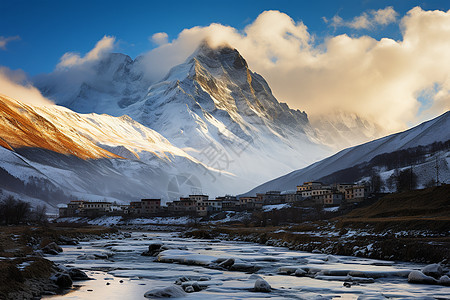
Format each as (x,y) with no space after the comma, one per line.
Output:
(25,273)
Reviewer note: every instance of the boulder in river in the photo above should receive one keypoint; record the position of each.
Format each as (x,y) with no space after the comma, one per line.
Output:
(173,291)
(52,248)
(262,286)
(77,274)
(196,286)
(433,270)
(227,263)
(64,240)
(419,277)
(153,249)
(331,259)
(62,280)
(287,270)
(444,280)
(300,272)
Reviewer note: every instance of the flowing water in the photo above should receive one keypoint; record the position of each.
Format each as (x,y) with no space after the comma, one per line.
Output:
(125,274)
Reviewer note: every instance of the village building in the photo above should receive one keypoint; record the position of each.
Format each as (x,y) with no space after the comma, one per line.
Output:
(332,199)
(229,202)
(356,193)
(271,197)
(85,208)
(198,198)
(250,203)
(310,185)
(150,206)
(184,205)
(341,187)
(74,208)
(200,204)
(135,208)
(213,205)
(316,193)
(291,196)
(313,190)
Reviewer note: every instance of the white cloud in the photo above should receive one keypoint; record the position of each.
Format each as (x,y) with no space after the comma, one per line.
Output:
(5,40)
(385,16)
(70,59)
(360,22)
(367,20)
(160,38)
(379,80)
(14,85)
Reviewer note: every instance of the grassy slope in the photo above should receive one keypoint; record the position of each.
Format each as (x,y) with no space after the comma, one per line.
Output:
(420,209)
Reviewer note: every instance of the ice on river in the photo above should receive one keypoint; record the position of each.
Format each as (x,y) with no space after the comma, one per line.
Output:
(229,270)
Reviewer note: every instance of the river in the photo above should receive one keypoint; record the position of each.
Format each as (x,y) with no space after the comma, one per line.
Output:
(120,272)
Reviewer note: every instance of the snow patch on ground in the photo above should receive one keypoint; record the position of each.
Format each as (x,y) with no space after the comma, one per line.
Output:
(275,206)
(331,209)
(118,220)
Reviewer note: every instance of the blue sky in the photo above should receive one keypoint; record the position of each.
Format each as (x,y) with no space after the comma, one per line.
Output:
(48,29)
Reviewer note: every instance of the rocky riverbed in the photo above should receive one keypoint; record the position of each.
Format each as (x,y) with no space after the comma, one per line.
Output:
(327,237)
(140,265)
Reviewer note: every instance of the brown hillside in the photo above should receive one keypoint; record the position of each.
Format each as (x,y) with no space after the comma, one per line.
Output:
(22,127)
(427,203)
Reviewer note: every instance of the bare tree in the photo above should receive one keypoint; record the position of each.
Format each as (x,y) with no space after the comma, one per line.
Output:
(40,214)
(406,180)
(375,182)
(13,211)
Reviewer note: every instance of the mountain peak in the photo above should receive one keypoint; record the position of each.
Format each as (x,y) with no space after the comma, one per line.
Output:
(223,54)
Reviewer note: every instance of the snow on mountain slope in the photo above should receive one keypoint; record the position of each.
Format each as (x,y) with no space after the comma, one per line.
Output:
(91,156)
(435,130)
(83,135)
(104,86)
(341,130)
(425,171)
(224,115)
(22,126)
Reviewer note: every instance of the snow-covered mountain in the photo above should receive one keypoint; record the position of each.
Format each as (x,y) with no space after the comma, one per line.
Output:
(212,106)
(92,156)
(341,129)
(435,130)
(105,86)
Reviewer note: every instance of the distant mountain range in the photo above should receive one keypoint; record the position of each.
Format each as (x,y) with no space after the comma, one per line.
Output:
(427,133)
(210,125)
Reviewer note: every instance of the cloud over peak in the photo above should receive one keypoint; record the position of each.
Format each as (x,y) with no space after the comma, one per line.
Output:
(14,84)
(70,59)
(160,38)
